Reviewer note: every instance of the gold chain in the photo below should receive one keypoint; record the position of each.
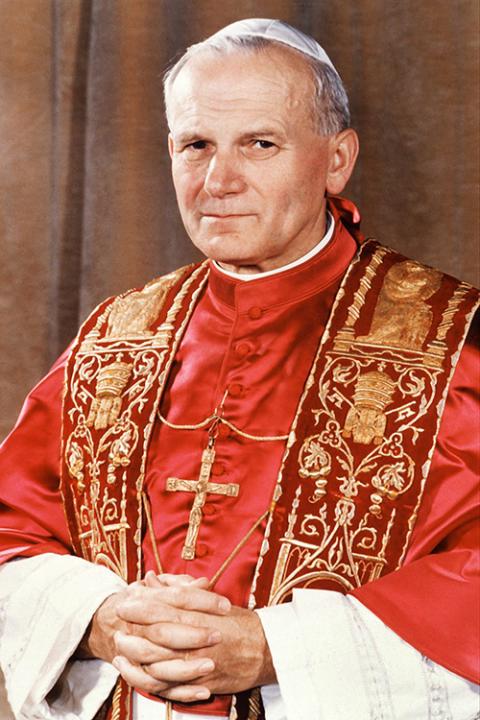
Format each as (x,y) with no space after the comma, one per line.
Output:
(217,419)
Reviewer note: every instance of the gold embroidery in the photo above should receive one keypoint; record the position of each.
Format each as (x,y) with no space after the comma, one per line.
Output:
(391,480)
(134,313)
(106,407)
(315,462)
(128,375)
(76,464)
(120,451)
(345,337)
(401,317)
(366,420)
(437,349)
(382,387)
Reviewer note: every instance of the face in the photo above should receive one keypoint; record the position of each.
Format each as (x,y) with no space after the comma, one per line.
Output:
(249,169)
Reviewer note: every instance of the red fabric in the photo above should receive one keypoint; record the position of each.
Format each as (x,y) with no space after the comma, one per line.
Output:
(261,336)
(433,602)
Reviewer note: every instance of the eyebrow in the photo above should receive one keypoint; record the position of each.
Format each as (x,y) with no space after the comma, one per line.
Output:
(186,137)
(191,136)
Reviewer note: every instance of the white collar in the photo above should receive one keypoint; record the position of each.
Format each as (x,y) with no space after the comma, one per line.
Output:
(311,253)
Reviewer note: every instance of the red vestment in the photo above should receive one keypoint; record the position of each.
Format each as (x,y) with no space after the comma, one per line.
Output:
(256,339)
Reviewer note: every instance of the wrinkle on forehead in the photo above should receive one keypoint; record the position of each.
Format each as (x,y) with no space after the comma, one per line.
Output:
(255,83)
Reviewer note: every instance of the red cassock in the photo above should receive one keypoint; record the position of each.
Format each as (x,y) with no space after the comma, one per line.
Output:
(256,340)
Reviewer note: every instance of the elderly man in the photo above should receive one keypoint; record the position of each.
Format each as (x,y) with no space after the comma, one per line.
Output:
(262,463)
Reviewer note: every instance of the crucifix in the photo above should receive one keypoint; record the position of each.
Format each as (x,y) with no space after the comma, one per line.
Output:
(201,488)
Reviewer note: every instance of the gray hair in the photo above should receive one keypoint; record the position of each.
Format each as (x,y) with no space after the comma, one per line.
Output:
(330,102)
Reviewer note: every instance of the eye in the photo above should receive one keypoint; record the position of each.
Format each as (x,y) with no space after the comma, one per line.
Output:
(263,144)
(260,149)
(196,145)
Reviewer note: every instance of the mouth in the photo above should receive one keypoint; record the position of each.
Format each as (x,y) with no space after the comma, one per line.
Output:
(225,216)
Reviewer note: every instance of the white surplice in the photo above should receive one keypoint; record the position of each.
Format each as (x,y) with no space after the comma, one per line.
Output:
(334,659)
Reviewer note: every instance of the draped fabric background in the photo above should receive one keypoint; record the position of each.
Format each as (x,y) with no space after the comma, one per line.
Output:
(86,204)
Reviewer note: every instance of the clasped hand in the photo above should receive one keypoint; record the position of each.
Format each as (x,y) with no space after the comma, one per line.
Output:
(170,636)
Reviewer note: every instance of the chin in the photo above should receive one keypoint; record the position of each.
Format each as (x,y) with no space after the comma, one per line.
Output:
(224,248)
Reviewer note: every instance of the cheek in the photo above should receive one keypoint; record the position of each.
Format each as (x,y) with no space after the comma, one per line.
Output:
(188,182)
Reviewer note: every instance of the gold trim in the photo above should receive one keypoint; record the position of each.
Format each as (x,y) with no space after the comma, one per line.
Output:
(171,316)
(278,490)
(440,407)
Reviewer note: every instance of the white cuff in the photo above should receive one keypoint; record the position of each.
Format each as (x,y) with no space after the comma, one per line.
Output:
(336,659)
(46,604)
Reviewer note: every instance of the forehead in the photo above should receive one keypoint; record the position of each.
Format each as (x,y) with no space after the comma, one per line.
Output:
(276,82)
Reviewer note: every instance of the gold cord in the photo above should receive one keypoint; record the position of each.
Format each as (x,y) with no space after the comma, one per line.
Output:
(224,565)
(236,550)
(218,419)
(148,515)
(197,426)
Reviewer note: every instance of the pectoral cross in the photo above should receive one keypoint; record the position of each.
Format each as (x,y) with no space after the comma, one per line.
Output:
(201,488)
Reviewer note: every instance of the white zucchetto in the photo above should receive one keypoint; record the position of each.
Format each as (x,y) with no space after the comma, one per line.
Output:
(276,30)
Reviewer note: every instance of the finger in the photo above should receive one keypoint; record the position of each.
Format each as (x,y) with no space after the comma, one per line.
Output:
(152,580)
(180,671)
(201,582)
(155,604)
(170,579)
(139,678)
(186,693)
(191,597)
(141,651)
(137,584)
(177,636)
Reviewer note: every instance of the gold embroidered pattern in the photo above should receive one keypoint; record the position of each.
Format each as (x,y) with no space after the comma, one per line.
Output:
(114,388)
(374,402)
(106,406)
(402,317)
(366,420)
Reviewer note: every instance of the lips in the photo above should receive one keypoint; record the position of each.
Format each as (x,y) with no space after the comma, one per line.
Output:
(224,216)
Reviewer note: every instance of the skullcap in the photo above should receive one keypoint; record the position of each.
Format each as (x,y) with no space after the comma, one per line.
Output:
(276,30)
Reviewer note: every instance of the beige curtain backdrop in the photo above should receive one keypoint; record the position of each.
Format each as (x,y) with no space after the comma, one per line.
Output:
(86,202)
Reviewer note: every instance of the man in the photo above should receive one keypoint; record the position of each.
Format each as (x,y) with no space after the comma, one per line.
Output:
(263,423)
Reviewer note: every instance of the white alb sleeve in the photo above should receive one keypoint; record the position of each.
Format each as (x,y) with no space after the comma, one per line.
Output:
(46,604)
(336,660)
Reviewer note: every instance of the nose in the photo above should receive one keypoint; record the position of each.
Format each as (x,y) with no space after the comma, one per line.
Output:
(223,176)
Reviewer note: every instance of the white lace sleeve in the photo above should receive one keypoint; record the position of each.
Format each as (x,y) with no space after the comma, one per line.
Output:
(335,660)
(46,603)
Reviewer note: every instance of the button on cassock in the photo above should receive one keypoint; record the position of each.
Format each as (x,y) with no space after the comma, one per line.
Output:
(255,312)
(202,550)
(242,349)
(235,389)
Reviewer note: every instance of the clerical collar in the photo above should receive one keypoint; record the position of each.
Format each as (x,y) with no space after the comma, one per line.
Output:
(307,276)
(245,277)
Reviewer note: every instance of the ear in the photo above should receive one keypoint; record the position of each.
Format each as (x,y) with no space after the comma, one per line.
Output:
(343,155)
(170,145)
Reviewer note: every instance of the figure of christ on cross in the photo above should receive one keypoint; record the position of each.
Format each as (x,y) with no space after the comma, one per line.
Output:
(201,488)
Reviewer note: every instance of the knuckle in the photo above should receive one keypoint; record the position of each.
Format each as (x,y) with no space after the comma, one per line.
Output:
(150,655)
(161,634)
